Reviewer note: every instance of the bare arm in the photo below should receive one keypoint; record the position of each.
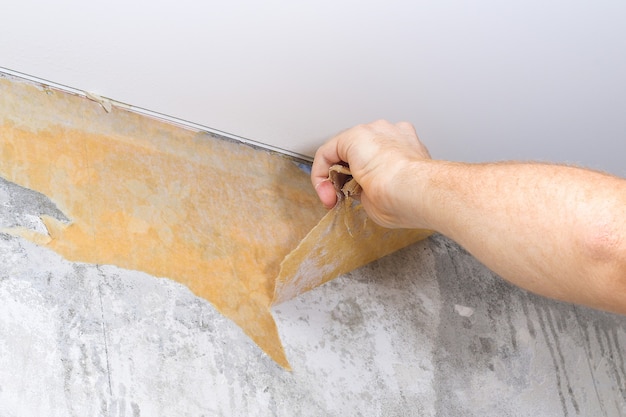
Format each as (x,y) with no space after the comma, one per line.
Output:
(555,230)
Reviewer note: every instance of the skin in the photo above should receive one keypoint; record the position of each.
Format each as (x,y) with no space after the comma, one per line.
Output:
(559,231)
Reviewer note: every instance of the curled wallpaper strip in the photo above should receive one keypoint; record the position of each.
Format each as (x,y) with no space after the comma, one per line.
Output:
(343,240)
(218,216)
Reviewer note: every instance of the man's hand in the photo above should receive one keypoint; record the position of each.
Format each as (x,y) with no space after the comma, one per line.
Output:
(381,156)
(557,230)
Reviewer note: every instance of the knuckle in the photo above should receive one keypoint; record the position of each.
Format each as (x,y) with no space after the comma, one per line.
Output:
(380,123)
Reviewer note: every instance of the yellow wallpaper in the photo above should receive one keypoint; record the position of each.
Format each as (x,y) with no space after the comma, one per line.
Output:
(215,215)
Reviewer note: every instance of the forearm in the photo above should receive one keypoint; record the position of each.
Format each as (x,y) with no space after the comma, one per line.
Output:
(555,230)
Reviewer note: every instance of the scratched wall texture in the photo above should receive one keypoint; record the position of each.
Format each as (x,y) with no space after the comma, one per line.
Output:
(390,339)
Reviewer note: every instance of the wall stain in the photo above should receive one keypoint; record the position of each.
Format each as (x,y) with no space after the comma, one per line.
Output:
(615,369)
(589,354)
(104,336)
(509,321)
(348,313)
(529,323)
(555,362)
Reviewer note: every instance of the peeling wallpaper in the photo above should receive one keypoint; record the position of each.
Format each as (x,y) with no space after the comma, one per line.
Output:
(213,214)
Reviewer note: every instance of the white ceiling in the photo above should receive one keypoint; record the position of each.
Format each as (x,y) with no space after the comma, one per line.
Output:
(482,80)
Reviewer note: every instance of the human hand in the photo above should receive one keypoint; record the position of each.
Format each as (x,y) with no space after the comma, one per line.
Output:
(382,158)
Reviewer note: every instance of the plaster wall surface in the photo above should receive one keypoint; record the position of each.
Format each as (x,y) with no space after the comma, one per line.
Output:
(427,331)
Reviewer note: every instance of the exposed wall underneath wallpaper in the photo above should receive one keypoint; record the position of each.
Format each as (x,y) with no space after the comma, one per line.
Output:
(482,80)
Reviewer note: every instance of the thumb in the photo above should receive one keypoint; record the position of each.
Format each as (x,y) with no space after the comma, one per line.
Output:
(326,193)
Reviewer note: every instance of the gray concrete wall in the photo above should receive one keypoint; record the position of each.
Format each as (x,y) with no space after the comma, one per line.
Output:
(427,331)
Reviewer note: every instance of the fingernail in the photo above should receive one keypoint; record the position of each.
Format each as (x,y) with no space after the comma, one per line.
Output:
(321,182)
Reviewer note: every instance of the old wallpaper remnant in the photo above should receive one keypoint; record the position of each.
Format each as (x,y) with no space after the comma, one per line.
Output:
(215,215)
(342,241)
